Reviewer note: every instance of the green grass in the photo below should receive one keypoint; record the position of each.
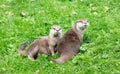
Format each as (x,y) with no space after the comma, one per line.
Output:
(100,51)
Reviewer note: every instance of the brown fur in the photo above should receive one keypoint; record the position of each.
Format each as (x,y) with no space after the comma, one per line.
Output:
(68,45)
(39,46)
(43,45)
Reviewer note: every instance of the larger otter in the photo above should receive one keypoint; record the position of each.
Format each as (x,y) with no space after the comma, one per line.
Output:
(45,45)
(69,45)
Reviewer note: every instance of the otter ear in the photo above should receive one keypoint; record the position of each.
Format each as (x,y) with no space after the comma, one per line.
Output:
(79,23)
(50,27)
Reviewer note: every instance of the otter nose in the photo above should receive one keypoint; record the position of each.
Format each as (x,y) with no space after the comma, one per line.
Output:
(57,30)
(85,24)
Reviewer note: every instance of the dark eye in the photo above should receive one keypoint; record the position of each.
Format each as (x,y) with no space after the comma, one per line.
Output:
(85,23)
(53,28)
(86,20)
(60,29)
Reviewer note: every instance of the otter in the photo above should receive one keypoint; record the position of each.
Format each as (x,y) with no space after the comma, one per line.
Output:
(43,45)
(68,46)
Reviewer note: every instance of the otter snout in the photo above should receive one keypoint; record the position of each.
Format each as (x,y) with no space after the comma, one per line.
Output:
(56,34)
(57,30)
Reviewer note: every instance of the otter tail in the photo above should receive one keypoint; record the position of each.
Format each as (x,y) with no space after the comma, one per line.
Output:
(22,47)
(62,59)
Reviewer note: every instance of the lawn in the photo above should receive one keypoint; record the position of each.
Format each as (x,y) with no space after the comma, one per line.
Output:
(25,20)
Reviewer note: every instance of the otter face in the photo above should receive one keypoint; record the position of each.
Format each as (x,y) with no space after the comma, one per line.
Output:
(81,24)
(56,31)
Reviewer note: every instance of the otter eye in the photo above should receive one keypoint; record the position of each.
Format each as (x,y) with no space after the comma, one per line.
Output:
(53,28)
(85,23)
(60,29)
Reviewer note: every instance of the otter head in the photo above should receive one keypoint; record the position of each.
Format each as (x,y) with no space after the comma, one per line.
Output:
(56,31)
(81,24)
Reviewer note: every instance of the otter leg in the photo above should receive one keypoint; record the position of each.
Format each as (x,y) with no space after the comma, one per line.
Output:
(31,58)
(62,59)
(33,54)
(51,50)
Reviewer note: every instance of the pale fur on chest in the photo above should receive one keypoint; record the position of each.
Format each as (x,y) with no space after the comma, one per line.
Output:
(53,41)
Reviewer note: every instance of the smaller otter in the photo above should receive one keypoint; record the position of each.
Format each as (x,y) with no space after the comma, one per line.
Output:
(68,45)
(43,45)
